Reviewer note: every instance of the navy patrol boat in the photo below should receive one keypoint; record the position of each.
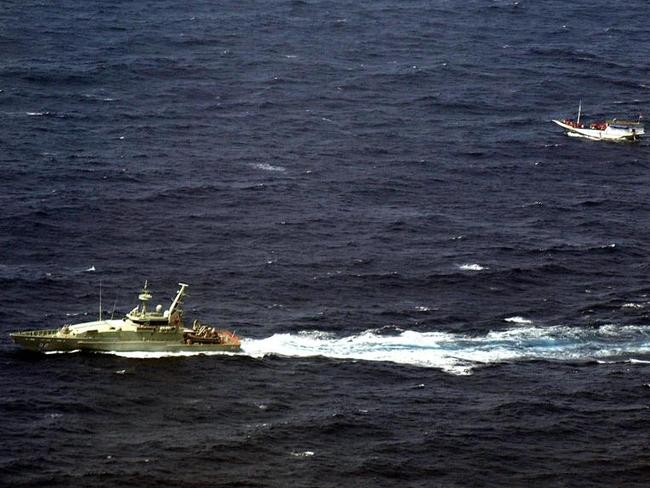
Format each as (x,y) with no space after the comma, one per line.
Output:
(140,330)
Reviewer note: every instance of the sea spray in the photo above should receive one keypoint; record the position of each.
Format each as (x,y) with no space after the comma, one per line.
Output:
(454,353)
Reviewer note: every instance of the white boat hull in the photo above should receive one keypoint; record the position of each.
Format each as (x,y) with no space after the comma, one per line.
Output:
(610,133)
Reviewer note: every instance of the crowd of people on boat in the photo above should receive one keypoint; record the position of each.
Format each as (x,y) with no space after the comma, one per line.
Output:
(573,123)
(600,125)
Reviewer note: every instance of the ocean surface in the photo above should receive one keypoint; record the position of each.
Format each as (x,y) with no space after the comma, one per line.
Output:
(435,286)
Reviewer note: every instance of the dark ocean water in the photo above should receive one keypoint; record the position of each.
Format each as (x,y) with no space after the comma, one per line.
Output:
(436,287)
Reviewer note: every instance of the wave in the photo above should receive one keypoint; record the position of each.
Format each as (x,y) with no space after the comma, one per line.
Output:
(454,353)
(471,267)
(269,167)
(518,320)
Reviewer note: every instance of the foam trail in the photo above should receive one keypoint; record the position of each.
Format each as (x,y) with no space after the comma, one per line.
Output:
(457,353)
(454,353)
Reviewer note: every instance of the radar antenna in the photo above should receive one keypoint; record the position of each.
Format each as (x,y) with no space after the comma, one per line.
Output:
(144,297)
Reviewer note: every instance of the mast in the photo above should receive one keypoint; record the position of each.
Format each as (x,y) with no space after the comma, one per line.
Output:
(144,297)
(579,112)
(100,300)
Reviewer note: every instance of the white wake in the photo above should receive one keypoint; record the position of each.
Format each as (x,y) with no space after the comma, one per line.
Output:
(453,352)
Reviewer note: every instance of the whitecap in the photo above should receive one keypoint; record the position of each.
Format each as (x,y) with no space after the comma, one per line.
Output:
(268,167)
(472,267)
(302,454)
(518,320)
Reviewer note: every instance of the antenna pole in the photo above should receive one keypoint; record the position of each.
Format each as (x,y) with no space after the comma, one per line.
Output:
(100,300)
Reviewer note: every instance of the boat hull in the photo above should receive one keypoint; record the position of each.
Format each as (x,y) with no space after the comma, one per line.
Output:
(611,133)
(51,341)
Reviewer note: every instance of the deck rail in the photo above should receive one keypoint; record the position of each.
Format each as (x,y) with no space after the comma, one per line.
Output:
(36,333)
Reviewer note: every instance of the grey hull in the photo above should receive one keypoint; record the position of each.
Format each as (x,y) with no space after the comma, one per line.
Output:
(46,341)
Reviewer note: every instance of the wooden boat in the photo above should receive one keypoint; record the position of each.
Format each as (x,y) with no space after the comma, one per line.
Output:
(604,130)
